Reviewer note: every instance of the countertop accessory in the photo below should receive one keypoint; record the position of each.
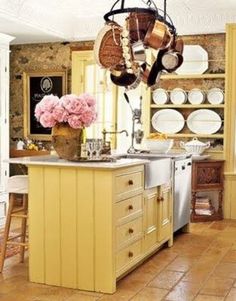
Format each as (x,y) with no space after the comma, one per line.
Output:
(215,96)
(195,147)
(195,60)
(168,121)
(160,96)
(204,121)
(178,96)
(196,96)
(159,145)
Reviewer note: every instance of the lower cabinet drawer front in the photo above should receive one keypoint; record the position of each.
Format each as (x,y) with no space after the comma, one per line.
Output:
(128,231)
(128,254)
(128,182)
(129,208)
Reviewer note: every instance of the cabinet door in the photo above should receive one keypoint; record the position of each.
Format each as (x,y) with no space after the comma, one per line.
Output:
(165,210)
(150,218)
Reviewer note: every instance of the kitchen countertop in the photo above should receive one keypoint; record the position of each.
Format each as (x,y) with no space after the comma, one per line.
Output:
(176,156)
(56,161)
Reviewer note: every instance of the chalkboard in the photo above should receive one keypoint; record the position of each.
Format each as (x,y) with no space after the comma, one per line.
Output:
(37,86)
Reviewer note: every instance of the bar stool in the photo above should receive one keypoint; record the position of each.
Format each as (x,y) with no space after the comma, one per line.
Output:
(16,185)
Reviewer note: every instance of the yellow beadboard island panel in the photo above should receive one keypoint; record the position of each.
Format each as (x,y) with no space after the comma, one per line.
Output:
(76,213)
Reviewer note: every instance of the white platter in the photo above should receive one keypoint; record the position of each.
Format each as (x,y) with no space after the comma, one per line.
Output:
(195,60)
(196,96)
(215,96)
(168,121)
(204,121)
(178,96)
(160,96)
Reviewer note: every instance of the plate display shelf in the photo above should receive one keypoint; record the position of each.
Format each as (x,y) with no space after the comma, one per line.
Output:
(187,82)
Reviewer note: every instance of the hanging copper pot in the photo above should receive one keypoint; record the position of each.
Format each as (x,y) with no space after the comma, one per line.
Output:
(144,21)
(158,36)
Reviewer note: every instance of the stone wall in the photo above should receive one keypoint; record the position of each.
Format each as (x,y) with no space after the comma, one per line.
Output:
(36,57)
(57,56)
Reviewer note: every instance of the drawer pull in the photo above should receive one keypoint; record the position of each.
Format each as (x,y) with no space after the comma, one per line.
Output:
(162,199)
(130,207)
(130,182)
(130,254)
(131,230)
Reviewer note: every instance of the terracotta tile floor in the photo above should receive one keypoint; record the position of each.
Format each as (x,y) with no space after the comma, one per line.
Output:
(201,266)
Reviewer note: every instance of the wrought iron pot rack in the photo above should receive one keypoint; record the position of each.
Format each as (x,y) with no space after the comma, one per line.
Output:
(151,9)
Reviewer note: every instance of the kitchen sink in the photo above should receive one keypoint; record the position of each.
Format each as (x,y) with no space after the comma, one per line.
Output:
(156,172)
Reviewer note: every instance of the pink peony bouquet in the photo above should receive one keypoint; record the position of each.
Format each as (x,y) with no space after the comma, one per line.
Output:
(77,111)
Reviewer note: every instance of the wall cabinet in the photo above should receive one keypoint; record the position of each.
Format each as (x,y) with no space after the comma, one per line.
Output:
(214,77)
(4,122)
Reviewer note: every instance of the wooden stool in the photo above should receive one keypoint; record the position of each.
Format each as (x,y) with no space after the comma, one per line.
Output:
(16,185)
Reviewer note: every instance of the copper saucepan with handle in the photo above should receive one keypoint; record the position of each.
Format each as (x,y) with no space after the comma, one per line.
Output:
(158,36)
(173,58)
(138,49)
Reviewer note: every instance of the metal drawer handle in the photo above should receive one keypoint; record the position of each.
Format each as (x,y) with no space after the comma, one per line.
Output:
(130,182)
(131,230)
(130,254)
(130,207)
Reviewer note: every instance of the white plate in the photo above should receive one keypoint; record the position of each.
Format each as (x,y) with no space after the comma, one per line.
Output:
(168,121)
(178,96)
(195,60)
(199,157)
(204,122)
(160,96)
(196,96)
(215,96)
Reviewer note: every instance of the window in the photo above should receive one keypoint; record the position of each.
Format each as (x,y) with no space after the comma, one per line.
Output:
(87,76)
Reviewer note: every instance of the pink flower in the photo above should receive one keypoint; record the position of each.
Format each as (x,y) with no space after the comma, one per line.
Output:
(88,98)
(47,104)
(75,122)
(47,120)
(60,114)
(38,111)
(73,104)
(88,117)
(78,111)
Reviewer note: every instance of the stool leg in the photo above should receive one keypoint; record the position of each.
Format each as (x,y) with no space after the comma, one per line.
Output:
(6,231)
(23,227)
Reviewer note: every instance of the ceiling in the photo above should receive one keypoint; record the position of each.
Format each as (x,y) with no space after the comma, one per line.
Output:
(31,21)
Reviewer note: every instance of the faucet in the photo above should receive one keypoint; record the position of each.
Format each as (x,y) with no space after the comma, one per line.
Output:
(104,132)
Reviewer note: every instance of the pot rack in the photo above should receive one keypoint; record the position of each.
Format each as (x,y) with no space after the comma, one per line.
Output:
(151,9)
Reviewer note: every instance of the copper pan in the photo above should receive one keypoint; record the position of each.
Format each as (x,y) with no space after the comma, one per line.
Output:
(158,36)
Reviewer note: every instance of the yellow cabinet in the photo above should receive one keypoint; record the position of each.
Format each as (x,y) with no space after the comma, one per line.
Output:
(165,209)
(89,226)
(158,208)
(150,218)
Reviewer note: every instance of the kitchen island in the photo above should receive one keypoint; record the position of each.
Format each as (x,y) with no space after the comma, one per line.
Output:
(91,223)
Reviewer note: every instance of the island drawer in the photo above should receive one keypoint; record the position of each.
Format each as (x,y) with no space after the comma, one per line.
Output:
(128,232)
(128,184)
(129,209)
(128,255)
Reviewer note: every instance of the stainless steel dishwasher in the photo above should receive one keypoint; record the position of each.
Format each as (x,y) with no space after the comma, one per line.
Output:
(182,170)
